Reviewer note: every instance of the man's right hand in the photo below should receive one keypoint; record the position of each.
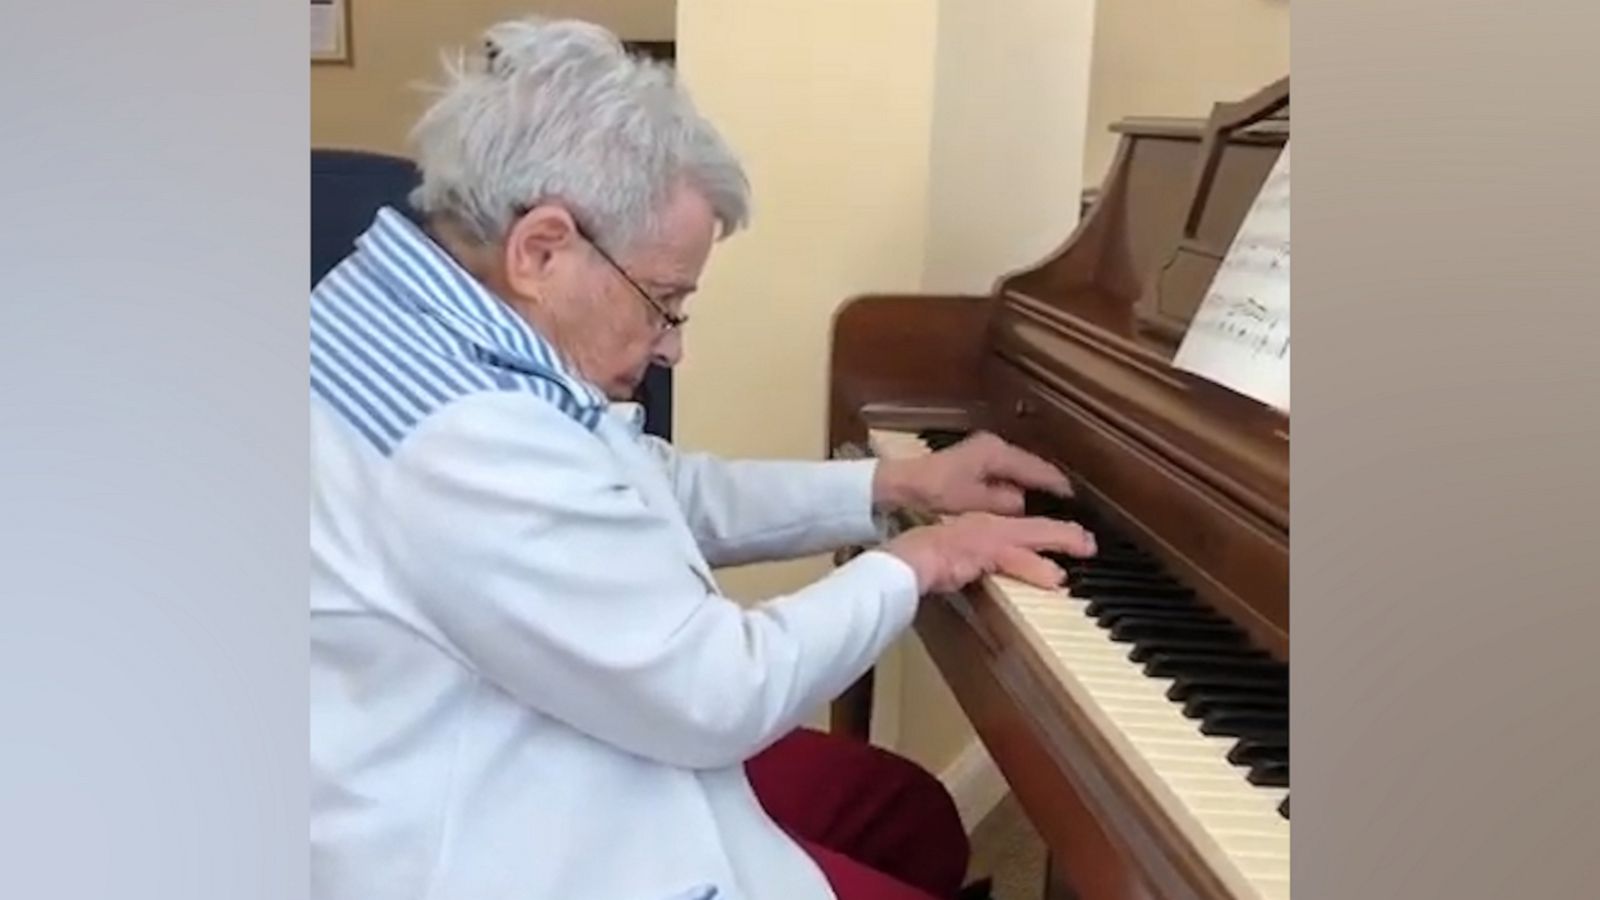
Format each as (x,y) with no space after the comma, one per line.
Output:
(960,550)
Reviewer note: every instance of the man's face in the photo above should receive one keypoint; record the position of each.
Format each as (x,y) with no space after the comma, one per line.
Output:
(583,303)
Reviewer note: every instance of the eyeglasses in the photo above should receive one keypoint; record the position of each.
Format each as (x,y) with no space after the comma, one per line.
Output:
(672,320)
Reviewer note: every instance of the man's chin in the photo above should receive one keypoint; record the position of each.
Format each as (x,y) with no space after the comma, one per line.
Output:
(623,389)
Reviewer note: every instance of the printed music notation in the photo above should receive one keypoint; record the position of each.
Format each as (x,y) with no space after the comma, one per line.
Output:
(1239,337)
(1250,326)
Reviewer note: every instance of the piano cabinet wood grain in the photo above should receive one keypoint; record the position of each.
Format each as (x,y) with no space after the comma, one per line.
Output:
(1082,855)
(915,352)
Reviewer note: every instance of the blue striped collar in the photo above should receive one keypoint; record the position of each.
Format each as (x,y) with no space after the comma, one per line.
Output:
(408,260)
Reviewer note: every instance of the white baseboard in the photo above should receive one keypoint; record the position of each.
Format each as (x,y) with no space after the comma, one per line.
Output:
(974,781)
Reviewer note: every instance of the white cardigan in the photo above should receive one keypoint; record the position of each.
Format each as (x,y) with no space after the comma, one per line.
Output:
(524,680)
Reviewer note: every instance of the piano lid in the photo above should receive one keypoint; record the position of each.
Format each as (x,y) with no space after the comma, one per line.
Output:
(1139,262)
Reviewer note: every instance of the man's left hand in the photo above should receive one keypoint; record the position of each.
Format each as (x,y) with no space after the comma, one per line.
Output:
(981,474)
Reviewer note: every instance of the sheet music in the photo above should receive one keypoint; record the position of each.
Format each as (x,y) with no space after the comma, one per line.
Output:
(1239,337)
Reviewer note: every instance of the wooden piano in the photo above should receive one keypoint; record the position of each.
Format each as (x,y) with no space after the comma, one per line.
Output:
(1139,714)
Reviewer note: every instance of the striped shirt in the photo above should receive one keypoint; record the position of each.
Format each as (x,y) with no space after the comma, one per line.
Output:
(399,331)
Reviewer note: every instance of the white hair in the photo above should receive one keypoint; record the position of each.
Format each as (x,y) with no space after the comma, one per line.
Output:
(559,111)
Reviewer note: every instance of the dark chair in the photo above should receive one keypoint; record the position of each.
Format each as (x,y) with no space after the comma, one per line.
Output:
(347,189)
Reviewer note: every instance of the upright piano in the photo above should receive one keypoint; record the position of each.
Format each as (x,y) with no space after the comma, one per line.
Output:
(1140,714)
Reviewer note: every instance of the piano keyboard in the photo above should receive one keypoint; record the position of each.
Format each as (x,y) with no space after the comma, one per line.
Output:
(1199,716)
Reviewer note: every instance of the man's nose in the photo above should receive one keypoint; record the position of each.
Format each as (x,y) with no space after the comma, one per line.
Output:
(668,351)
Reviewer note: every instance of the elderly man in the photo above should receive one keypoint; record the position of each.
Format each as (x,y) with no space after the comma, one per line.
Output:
(525,682)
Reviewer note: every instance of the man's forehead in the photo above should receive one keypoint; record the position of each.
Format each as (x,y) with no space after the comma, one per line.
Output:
(672,257)
(686,227)
(671,264)
(669,260)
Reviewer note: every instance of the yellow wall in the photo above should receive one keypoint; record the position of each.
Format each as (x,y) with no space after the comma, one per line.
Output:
(1007,150)
(829,104)
(397,45)
(894,145)
(1176,58)
(1007,145)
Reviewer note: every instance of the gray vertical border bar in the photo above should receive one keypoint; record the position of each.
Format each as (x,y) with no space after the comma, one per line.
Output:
(1446,437)
(153,450)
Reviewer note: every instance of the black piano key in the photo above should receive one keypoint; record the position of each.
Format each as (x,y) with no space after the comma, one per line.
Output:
(1113,555)
(1134,628)
(1038,504)
(940,438)
(1158,606)
(1156,645)
(1062,509)
(1205,703)
(1130,600)
(1266,735)
(1262,726)
(1238,675)
(1143,650)
(1085,584)
(1255,751)
(1118,547)
(1097,565)
(1111,603)
(1092,588)
(1110,563)
(1114,542)
(1096,590)
(1098,605)
(1089,568)
(1283,808)
(1110,617)
(1272,774)
(1188,621)
(1127,569)
(1186,686)
(1251,719)
(1173,665)
(1107,542)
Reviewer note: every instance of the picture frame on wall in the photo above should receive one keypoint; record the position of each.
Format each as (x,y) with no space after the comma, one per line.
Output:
(330,32)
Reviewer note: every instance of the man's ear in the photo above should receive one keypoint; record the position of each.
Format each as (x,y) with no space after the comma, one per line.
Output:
(532,245)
